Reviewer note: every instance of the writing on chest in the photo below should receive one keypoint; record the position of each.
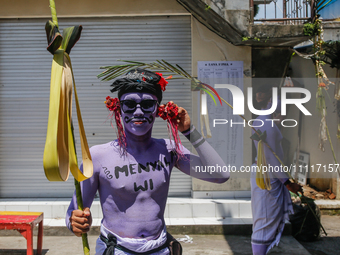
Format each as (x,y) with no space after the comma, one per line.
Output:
(140,177)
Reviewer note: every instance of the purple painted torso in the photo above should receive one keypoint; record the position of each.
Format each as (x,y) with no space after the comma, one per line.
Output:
(133,189)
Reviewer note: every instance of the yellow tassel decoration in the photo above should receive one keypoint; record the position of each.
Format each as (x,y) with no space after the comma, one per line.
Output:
(262,177)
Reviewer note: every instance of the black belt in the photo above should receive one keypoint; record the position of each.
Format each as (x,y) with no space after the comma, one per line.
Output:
(111,243)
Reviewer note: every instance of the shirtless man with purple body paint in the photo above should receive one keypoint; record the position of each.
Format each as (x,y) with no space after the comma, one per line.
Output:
(133,187)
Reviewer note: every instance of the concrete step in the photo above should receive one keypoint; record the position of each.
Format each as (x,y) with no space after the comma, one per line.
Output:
(233,207)
(176,226)
(230,216)
(175,207)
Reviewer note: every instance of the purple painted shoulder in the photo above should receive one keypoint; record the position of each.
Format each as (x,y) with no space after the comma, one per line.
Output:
(170,145)
(104,148)
(102,152)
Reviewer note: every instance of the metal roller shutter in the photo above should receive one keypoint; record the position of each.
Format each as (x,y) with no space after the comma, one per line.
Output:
(24,90)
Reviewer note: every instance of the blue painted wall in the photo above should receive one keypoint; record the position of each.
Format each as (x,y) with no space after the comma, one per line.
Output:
(332,11)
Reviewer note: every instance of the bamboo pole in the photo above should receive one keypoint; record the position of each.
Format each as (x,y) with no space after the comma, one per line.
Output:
(86,248)
(54,13)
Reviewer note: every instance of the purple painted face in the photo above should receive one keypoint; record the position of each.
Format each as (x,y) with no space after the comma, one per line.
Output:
(138,111)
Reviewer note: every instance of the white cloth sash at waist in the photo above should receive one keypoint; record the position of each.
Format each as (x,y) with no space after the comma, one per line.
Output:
(134,244)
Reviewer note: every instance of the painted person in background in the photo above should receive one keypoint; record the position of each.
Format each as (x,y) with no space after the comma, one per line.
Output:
(132,173)
(270,208)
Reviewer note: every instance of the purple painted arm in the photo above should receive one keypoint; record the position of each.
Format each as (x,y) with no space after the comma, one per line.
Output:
(207,159)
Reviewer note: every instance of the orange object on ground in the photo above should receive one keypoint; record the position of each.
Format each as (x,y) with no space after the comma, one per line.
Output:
(24,223)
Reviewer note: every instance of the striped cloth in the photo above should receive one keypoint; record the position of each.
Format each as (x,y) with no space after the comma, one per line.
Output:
(270,210)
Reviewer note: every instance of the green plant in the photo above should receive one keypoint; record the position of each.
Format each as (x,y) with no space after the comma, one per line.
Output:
(246,38)
(309,29)
(322,54)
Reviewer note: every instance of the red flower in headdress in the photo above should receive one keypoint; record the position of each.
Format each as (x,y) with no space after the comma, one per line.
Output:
(112,103)
(163,82)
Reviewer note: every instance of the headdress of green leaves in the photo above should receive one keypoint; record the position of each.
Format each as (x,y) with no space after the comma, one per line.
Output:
(176,71)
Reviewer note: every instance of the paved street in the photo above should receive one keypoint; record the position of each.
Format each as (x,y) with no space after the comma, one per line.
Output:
(201,245)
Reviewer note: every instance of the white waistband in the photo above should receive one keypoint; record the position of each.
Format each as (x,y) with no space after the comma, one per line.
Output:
(137,244)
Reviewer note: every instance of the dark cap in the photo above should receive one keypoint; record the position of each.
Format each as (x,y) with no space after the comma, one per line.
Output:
(138,80)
